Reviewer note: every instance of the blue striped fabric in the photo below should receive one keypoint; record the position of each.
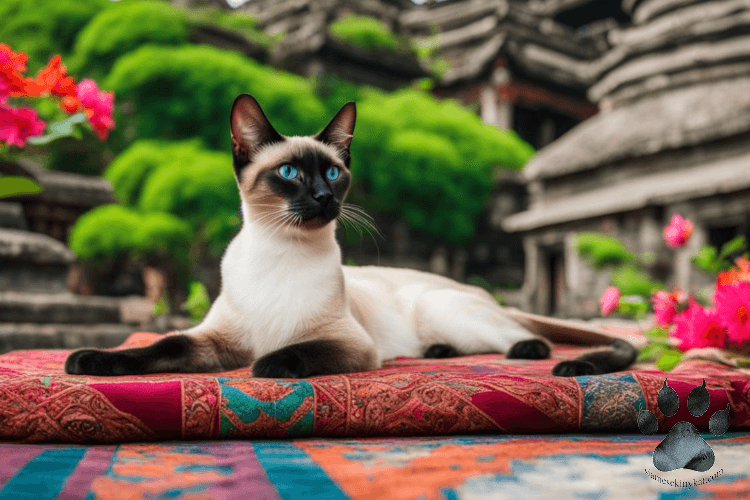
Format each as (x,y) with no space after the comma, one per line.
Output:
(44,476)
(294,473)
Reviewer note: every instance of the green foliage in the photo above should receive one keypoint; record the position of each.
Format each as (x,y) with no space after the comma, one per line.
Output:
(670,357)
(42,28)
(634,306)
(239,22)
(123,27)
(715,261)
(658,350)
(15,186)
(188,92)
(480,282)
(602,250)
(197,302)
(110,231)
(161,307)
(366,32)
(633,281)
(104,233)
(129,171)
(195,189)
(160,236)
(429,161)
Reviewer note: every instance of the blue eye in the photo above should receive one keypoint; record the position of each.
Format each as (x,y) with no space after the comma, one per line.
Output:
(287,172)
(332,173)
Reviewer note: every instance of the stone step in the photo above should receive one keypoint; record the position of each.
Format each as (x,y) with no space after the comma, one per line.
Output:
(32,262)
(23,307)
(15,336)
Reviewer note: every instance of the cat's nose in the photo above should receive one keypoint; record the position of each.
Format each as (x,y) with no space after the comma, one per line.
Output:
(323,197)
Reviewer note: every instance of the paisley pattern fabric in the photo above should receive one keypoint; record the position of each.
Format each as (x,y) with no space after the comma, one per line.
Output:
(494,467)
(39,403)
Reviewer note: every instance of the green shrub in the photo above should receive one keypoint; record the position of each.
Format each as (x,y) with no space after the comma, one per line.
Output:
(122,28)
(633,281)
(603,250)
(104,233)
(107,232)
(365,32)
(197,303)
(188,92)
(129,171)
(195,189)
(162,236)
(42,28)
(429,161)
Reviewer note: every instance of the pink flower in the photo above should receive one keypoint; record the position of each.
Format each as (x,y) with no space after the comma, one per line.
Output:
(18,124)
(678,231)
(610,299)
(733,306)
(98,106)
(666,306)
(699,327)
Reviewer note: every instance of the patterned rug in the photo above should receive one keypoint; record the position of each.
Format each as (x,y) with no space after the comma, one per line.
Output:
(438,468)
(39,403)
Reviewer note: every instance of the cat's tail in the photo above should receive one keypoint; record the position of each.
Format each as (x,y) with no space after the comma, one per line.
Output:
(618,354)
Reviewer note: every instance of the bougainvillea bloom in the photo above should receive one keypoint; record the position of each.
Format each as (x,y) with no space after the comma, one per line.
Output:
(12,67)
(55,80)
(677,233)
(740,273)
(666,306)
(98,107)
(733,305)
(610,299)
(699,327)
(18,124)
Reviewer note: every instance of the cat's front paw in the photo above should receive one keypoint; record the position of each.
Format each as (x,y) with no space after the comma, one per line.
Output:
(529,349)
(284,363)
(96,362)
(574,368)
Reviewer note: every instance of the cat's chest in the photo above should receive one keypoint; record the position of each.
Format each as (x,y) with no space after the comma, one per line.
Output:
(277,292)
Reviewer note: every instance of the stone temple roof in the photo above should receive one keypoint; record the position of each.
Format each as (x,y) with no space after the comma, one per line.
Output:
(674,119)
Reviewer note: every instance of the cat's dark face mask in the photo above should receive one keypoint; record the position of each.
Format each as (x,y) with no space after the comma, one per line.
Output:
(307,178)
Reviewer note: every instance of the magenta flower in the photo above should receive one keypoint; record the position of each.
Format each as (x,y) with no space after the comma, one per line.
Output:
(678,232)
(667,305)
(18,124)
(699,327)
(98,107)
(733,306)
(610,299)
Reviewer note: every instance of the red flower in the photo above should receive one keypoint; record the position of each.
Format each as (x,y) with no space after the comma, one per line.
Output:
(678,231)
(610,299)
(740,273)
(733,305)
(98,106)
(18,124)
(54,78)
(699,327)
(12,67)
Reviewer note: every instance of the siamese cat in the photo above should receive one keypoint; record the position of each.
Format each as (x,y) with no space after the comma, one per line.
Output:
(288,307)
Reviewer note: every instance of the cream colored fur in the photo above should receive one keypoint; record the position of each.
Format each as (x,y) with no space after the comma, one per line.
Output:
(279,290)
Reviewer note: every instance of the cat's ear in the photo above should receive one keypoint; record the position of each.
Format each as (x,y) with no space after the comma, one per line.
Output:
(340,130)
(250,129)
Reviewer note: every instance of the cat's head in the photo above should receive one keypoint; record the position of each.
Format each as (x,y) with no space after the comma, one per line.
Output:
(294,183)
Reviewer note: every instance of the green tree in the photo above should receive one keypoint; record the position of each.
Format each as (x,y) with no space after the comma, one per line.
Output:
(41,28)
(123,27)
